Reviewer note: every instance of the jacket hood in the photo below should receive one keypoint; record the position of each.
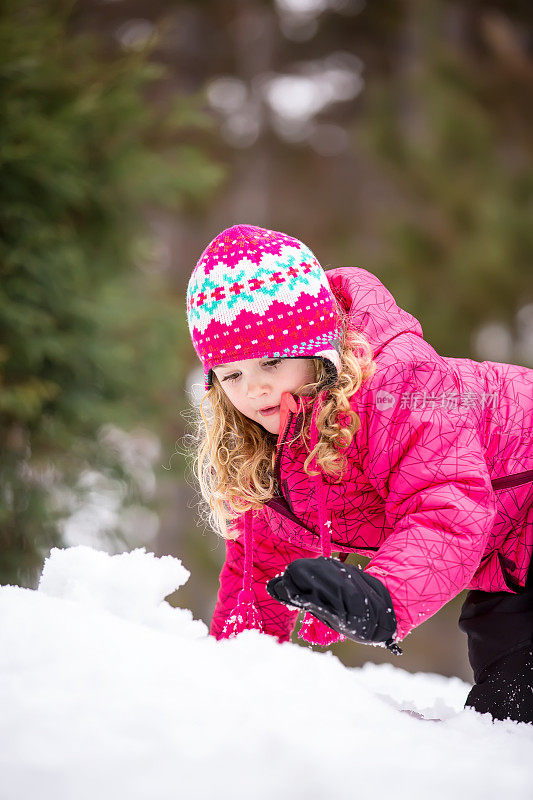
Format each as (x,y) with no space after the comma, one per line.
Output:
(370,306)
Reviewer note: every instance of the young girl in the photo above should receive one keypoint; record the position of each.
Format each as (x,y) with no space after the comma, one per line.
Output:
(334,426)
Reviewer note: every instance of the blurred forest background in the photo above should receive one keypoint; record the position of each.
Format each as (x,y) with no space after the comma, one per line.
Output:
(393,135)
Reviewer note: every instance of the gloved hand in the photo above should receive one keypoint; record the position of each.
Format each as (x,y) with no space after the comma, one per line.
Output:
(350,601)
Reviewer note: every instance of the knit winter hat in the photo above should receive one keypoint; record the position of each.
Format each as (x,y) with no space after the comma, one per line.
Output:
(257,293)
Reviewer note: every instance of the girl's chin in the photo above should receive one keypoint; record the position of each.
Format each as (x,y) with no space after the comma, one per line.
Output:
(271,427)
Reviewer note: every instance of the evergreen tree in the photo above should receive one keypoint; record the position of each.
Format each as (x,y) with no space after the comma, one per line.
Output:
(86,336)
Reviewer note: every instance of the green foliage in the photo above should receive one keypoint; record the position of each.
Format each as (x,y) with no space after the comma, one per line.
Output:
(461,245)
(86,336)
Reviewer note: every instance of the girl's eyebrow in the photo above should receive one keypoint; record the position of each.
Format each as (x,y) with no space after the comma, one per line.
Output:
(222,366)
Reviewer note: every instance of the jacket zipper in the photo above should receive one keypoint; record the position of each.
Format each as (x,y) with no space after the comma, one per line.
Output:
(513,480)
(277,468)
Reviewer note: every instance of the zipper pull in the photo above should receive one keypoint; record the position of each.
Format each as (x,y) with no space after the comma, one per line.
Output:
(287,404)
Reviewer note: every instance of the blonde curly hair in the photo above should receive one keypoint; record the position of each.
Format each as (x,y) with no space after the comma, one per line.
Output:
(234,456)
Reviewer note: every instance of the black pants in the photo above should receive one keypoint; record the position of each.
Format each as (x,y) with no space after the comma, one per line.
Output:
(499,626)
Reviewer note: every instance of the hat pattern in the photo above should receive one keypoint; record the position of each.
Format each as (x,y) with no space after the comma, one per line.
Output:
(257,293)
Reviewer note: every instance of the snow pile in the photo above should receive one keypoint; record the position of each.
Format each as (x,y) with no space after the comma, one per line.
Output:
(107,691)
(130,585)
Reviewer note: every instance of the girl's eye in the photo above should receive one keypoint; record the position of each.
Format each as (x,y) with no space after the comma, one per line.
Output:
(235,375)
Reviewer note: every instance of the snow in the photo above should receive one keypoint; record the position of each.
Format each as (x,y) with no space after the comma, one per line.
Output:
(107,691)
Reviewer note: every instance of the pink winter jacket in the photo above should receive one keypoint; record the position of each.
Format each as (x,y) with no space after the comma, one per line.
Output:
(438,487)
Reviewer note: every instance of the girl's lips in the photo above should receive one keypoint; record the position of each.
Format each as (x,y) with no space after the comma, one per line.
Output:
(267,412)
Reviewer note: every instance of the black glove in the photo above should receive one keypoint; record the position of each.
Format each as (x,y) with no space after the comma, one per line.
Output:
(350,601)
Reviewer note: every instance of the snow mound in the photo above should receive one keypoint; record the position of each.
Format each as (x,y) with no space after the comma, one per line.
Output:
(129,585)
(430,695)
(98,701)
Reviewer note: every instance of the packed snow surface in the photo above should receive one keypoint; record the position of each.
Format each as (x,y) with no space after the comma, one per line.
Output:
(107,691)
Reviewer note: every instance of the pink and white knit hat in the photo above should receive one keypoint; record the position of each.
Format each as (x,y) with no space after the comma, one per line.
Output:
(257,293)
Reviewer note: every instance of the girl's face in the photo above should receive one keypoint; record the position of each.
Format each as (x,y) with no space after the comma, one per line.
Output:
(257,384)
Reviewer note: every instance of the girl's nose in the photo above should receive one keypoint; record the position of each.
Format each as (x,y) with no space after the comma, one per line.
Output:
(257,386)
